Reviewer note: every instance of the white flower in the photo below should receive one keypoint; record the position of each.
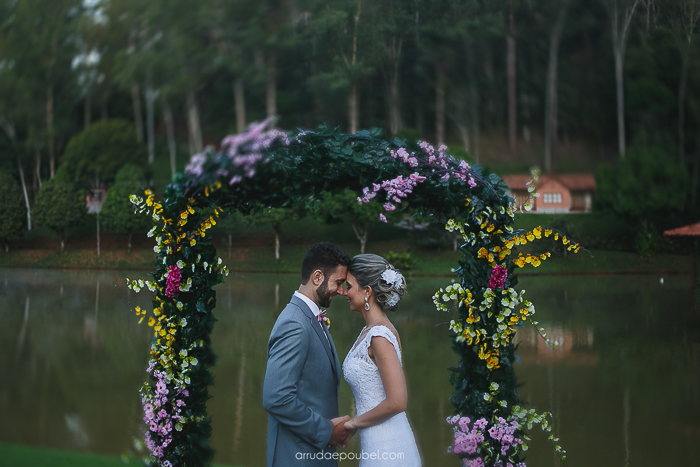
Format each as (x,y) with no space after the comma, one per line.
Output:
(393,299)
(180,264)
(151,232)
(391,276)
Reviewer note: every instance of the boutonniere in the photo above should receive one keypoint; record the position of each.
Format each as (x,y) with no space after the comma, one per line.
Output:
(322,318)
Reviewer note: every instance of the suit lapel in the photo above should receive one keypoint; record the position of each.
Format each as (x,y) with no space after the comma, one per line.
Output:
(320,333)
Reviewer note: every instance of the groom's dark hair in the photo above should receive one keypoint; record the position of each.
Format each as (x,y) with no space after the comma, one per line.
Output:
(325,256)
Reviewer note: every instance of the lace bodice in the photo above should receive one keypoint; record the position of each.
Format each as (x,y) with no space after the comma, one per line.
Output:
(362,373)
(391,441)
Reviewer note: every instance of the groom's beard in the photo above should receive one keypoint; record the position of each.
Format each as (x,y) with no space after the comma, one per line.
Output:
(324,294)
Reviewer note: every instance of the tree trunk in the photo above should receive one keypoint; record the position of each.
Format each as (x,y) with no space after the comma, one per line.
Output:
(511,72)
(26,195)
(550,119)
(195,130)
(150,123)
(353,100)
(97,221)
(37,165)
(696,177)
(473,101)
(395,123)
(277,245)
(271,88)
(361,234)
(439,103)
(138,115)
(50,129)
(170,131)
(353,109)
(128,244)
(619,87)
(619,36)
(63,244)
(239,103)
(681,106)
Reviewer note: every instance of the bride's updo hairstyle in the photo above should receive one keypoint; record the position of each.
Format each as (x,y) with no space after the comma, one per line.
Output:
(387,282)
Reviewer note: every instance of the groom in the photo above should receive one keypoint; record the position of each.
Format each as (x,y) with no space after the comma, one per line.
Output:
(300,392)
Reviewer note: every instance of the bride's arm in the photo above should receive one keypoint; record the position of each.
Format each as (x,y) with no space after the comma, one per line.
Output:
(394,382)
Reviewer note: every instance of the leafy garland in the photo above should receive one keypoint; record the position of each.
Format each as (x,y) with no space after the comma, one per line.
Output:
(263,168)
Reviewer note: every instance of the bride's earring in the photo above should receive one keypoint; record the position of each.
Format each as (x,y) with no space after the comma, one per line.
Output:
(366,304)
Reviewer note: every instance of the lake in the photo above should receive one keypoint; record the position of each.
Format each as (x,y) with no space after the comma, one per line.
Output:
(623,383)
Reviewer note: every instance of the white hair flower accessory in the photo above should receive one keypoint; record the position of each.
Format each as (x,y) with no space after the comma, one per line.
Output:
(392,276)
(393,299)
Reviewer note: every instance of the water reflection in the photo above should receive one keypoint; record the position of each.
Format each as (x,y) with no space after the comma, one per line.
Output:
(622,381)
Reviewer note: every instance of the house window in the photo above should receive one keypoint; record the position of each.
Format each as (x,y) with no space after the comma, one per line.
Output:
(552,198)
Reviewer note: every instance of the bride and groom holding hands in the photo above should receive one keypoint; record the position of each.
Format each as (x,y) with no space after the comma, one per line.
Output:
(300,392)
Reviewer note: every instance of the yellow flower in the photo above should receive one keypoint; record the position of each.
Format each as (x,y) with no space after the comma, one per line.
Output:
(548,232)
(142,318)
(530,236)
(138,310)
(492,363)
(151,321)
(193,242)
(523,240)
(537,231)
(190,210)
(490,228)
(483,253)
(183,215)
(556,236)
(157,328)
(162,333)
(565,240)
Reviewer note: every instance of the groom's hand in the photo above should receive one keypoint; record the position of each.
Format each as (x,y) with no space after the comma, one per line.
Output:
(339,436)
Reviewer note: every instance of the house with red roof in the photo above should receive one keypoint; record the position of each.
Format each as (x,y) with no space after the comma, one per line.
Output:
(559,193)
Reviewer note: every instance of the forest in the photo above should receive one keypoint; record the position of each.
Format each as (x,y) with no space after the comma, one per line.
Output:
(562,84)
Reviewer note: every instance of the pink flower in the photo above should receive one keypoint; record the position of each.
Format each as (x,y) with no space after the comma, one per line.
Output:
(382,218)
(172,287)
(498,278)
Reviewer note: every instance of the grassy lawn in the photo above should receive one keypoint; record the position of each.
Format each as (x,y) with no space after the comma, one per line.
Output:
(25,456)
(252,248)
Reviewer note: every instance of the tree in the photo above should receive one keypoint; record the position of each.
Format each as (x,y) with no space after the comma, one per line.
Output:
(101,150)
(343,207)
(117,210)
(647,187)
(12,210)
(274,217)
(551,105)
(685,15)
(621,13)
(60,206)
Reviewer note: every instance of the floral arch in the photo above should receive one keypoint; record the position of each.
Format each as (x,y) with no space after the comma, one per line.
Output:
(264,167)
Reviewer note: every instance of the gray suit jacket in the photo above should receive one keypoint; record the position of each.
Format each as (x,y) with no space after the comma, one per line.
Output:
(300,392)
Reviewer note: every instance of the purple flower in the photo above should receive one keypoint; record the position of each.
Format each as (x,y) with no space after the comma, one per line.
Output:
(382,218)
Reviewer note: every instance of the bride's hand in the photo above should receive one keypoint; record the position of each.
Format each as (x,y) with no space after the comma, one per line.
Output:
(350,426)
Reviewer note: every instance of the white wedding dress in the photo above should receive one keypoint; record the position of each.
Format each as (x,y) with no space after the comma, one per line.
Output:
(391,443)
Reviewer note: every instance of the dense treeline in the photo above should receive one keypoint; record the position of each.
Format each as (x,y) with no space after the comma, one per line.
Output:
(525,78)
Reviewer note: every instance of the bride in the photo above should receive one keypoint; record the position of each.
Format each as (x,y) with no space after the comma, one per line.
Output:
(373,367)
